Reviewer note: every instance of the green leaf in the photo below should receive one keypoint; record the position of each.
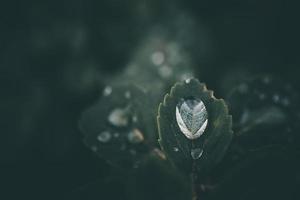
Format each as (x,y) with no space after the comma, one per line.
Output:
(265,112)
(198,152)
(120,126)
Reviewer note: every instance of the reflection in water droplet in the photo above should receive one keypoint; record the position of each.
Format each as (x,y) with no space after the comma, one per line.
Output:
(158,58)
(196,153)
(107,91)
(191,116)
(135,136)
(118,117)
(104,136)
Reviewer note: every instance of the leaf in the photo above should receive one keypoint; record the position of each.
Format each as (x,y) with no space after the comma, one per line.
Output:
(120,126)
(196,152)
(265,110)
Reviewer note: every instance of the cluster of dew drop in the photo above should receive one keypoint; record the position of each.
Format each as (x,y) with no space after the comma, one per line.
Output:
(121,118)
(277,99)
(192,120)
(168,57)
(158,58)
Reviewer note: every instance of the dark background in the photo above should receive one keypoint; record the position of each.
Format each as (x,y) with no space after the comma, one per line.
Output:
(50,52)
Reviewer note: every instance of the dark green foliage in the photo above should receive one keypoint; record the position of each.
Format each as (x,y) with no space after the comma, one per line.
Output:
(58,60)
(118,127)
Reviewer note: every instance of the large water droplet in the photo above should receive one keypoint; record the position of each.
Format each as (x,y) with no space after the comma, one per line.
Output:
(191,116)
(104,136)
(135,136)
(196,153)
(118,117)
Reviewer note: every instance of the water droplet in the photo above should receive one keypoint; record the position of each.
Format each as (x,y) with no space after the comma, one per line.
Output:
(276,98)
(104,136)
(176,149)
(118,117)
(123,147)
(191,116)
(262,96)
(285,101)
(266,79)
(158,58)
(245,116)
(135,136)
(165,71)
(94,148)
(107,91)
(136,165)
(187,80)
(132,152)
(185,76)
(116,135)
(134,118)
(196,153)
(127,95)
(159,153)
(243,88)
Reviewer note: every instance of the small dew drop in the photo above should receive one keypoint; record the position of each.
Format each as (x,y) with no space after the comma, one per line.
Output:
(116,135)
(136,165)
(118,117)
(135,136)
(185,76)
(134,118)
(196,153)
(266,79)
(123,147)
(187,80)
(245,116)
(107,91)
(243,88)
(94,148)
(262,96)
(132,152)
(285,101)
(176,149)
(165,71)
(127,95)
(158,58)
(104,136)
(159,153)
(191,117)
(276,98)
